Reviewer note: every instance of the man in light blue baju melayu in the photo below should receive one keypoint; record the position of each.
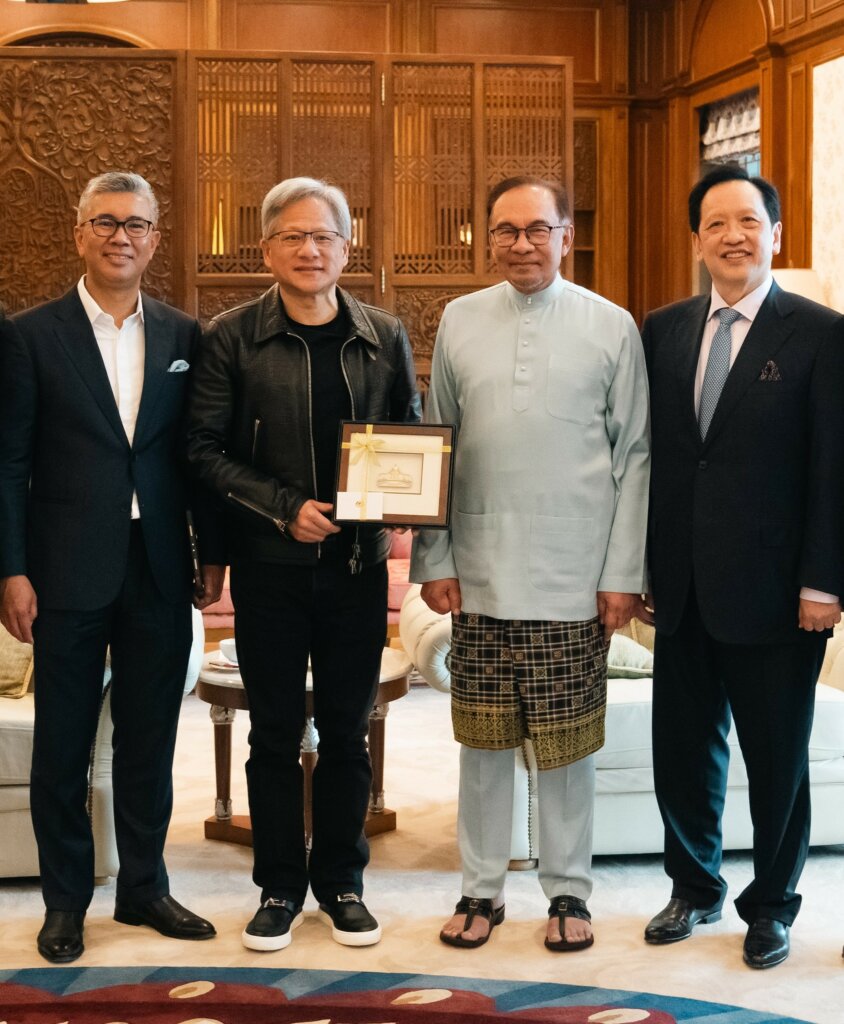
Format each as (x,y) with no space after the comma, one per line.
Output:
(545,555)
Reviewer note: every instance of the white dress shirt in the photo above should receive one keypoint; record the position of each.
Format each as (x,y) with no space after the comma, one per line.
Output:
(122,349)
(748,306)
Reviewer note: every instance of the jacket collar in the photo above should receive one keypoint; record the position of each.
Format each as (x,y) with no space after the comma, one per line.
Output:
(272,320)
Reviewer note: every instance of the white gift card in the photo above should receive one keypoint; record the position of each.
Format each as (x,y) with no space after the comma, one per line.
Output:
(350,505)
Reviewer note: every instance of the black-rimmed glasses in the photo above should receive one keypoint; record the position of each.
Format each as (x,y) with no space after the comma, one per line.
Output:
(536,234)
(105,227)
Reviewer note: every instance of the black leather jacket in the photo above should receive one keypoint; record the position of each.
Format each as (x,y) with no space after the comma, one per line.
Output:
(250,434)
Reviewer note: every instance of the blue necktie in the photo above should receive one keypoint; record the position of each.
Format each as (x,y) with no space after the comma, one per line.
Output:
(717,369)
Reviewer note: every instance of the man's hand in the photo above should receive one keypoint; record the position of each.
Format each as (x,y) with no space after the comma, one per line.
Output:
(310,525)
(816,616)
(616,610)
(213,577)
(645,609)
(18,607)
(442,595)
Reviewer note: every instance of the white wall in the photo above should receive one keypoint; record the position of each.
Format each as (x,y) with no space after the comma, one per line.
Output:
(827,177)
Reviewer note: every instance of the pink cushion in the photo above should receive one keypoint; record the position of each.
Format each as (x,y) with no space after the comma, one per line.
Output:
(398,569)
(400,545)
(221,613)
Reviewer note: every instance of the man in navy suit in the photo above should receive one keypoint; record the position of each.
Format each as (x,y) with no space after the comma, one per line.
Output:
(745,552)
(94,554)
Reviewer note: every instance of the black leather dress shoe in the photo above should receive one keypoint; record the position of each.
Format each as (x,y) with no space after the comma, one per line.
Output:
(676,921)
(766,943)
(60,938)
(165,916)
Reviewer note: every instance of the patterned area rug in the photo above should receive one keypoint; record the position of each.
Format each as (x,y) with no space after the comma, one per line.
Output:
(164,995)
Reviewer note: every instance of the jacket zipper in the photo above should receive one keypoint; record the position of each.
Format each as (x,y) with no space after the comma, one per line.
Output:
(256,427)
(310,419)
(355,562)
(280,524)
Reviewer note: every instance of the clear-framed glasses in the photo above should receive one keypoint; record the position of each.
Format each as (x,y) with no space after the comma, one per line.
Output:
(105,227)
(536,234)
(293,239)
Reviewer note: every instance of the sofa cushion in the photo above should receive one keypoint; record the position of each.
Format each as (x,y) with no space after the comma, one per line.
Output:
(15,665)
(627,659)
(16,719)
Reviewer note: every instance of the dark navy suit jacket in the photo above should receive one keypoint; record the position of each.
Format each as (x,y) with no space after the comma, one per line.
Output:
(67,470)
(756,511)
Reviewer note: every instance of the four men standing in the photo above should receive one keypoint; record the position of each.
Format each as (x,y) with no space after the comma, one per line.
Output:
(544,559)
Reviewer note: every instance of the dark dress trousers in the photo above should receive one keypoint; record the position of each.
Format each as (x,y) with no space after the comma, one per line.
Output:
(739,523)
(67,475)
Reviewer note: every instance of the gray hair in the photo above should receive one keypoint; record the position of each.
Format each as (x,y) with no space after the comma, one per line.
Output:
(116,181)
(288,192)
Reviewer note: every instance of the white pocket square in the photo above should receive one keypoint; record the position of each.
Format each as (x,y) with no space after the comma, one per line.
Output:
(178,366)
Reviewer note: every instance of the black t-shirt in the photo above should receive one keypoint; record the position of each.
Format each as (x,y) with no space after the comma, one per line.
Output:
(330,403)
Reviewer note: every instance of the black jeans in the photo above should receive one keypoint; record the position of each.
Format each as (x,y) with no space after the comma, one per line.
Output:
(283,614)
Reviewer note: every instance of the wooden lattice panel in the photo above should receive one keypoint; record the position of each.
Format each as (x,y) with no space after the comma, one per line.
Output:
(432,168)
(524,123)
(237,160)
(331,138)
(64,119)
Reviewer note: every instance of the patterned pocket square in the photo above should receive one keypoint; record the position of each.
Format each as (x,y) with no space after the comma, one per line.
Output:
(178,366)
(770,371)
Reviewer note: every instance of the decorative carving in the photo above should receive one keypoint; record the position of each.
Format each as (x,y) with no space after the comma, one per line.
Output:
(420,310)
(61,122)
(585,165)
(362,292)
(216,300)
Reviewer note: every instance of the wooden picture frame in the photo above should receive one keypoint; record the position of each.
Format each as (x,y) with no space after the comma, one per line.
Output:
(395,474)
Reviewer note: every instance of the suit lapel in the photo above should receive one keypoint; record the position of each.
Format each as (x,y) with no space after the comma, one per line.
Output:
(769,331)
(159,335)
(76,337)
(688,333)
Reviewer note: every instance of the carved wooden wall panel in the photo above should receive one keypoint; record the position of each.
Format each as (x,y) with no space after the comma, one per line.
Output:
(65,117)
(432,169)
(211,301)
(331,137)
(237,158)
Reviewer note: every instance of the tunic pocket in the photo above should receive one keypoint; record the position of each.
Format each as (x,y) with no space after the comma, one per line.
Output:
(473,537)
(560,553)
(571,394)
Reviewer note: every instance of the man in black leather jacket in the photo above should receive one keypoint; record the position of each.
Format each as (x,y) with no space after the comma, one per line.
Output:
(276,377)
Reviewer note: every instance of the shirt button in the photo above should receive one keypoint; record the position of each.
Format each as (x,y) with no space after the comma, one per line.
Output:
(522,367)
(702,464)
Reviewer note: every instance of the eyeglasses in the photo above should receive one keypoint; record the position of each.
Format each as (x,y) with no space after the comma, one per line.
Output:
(105,227)
(293,239)
(536,234)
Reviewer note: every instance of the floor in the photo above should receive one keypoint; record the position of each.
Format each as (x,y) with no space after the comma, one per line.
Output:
(413,881)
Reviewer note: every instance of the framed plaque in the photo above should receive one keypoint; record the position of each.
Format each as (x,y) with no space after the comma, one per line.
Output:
(395,474)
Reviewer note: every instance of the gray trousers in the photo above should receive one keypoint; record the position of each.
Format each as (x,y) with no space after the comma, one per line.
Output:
(566,801)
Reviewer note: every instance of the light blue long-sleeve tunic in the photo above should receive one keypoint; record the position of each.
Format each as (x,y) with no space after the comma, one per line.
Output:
(549,394)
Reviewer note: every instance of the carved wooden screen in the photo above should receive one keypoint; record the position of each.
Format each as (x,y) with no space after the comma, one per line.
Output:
(68,115)
(460,125)
(414,142)
(259,120)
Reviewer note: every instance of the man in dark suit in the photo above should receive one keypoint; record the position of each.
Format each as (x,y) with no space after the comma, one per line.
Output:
(745,552)
(94,553)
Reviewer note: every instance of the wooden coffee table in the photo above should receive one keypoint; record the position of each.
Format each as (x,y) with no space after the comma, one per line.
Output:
(223,690)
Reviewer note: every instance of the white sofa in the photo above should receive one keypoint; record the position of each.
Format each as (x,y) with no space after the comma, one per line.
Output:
(18,850)
(627,818)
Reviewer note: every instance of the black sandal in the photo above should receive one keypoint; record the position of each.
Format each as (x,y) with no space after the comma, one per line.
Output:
(561,908)
(472,908)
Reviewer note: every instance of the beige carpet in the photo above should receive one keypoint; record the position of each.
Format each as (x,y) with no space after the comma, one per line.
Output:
(414,879)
